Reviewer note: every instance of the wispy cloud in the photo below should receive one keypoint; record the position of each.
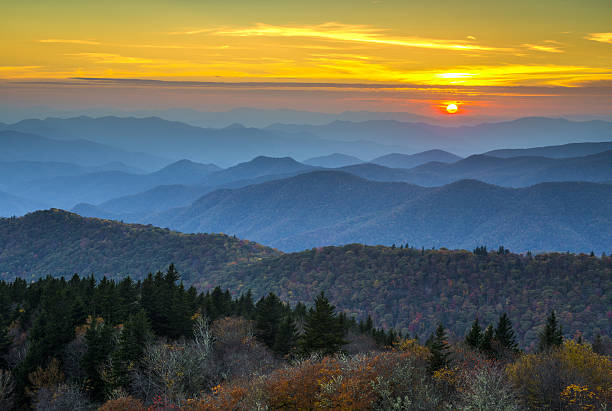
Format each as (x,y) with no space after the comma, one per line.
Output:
(69,41)
(344,33)
(548,48)
(600,37)
(109,58)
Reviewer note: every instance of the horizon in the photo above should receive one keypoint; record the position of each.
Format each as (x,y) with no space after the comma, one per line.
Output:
(490,62)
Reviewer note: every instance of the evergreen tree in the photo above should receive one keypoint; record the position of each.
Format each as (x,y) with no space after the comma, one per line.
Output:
(474,337)
(285,340)
(323,332)
(504,334)
(268,314)
(100,343)
(552,334)
(440,350)
(134,337)
(486,343)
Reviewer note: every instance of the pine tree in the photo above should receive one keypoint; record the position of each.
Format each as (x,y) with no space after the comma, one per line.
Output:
(100,343)
(474,337)
(134,337)
(285,340)
(504,334)
(486,342)
(440,350)
(268,314)
(323,332)
(552,334)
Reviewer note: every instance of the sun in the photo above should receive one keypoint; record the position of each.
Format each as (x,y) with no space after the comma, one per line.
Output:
(452,108)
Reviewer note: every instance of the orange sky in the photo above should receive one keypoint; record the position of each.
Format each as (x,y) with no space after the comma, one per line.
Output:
(491,59)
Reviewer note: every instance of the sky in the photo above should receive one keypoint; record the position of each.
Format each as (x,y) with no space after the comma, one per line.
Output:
(492,59)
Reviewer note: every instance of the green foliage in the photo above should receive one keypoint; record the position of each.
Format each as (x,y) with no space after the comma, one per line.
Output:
(440,350)
(474,338)
(100,344)
(552,334)
(412,290)
(323,331)
(504,334)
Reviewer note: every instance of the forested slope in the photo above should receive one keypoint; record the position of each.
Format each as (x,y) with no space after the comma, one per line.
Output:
(56,242)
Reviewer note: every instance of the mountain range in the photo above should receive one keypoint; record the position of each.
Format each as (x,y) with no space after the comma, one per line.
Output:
(463,140)
(19,146)
(334,207)
(365,139)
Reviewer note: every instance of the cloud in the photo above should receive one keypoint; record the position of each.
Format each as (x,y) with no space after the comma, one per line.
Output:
(67,41)
(109,58)
(600,37)
(345,33)
(547,49)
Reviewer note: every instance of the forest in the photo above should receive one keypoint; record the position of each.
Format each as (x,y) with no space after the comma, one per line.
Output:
(154,344)
(402,287)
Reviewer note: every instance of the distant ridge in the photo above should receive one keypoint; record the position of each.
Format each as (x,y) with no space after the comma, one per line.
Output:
(561,151)
(334,160)
(334,207)
(397,160)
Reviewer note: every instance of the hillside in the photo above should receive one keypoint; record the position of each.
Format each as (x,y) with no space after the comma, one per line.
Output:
(407,288)
(397,160)
(55,242)
(412,289)
(332,207)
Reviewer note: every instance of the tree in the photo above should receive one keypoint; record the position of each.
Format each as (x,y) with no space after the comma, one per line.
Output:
(486,343)
(552,334)
(286,336)
(100,343)
(133,339)
(474,337)
(440,350)
(504,334)
(268,315)
(323,332)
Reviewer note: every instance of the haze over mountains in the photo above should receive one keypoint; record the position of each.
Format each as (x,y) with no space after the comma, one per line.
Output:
(357,181)
(367,139)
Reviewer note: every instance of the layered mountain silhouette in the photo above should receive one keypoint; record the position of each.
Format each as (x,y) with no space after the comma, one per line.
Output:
(19,146)
(562,151)
(334,207)
(464,140)
(175,140)
(397,160)
(66,191)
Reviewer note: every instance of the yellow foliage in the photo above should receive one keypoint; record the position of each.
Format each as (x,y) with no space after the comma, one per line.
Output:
(412,346)
(586,376)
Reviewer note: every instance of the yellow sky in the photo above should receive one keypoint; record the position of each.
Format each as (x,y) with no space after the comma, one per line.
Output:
(478,45)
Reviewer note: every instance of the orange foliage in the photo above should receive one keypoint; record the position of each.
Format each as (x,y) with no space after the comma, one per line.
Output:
(123,404)
(328,383)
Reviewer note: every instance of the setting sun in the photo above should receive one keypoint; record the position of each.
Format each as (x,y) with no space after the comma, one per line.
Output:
(451,108)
